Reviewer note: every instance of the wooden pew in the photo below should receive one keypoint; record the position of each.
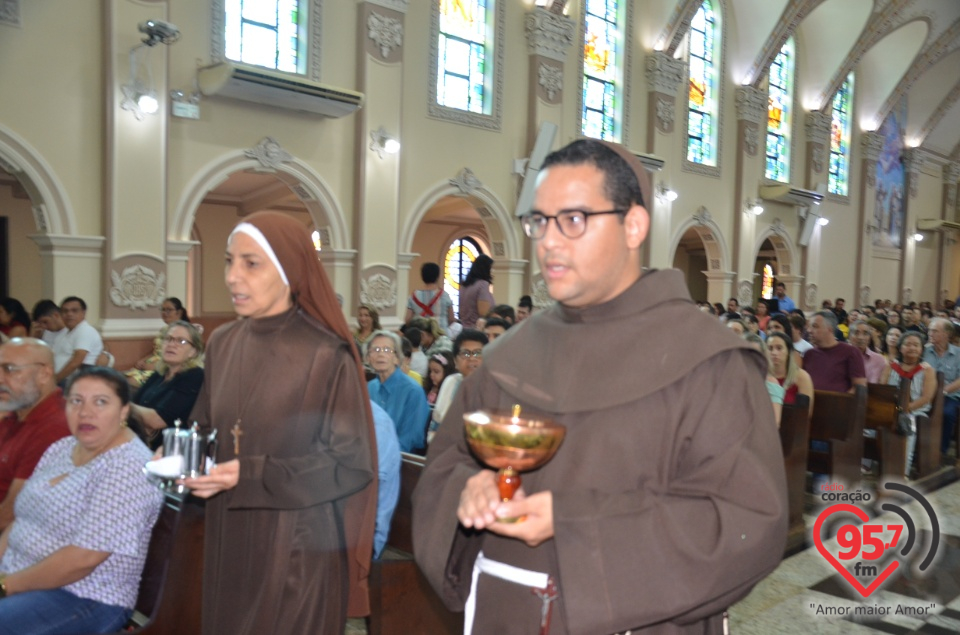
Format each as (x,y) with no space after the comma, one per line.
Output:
(402,602)
(929,433)
(884,405)
(837,421)
(170,593)
(795,442)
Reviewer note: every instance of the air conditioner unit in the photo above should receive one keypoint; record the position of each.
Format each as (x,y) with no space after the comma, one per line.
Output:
(935,224)
(263,86)
(790,194)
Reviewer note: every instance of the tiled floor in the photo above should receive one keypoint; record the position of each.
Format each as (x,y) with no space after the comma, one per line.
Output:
(789,599)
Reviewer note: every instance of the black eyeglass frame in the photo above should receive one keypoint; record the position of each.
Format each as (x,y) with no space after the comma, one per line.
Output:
(536,232)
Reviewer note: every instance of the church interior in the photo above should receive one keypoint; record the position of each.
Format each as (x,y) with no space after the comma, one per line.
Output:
(814,143)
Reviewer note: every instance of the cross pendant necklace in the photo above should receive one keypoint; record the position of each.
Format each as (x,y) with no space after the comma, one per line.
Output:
(237,433)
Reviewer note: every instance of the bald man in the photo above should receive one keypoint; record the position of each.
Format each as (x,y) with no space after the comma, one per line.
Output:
(33,415)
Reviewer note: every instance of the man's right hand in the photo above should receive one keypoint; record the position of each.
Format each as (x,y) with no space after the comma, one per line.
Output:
(478,500)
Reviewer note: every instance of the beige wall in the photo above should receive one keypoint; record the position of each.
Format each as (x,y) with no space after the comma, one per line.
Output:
(24,260)
(54,101)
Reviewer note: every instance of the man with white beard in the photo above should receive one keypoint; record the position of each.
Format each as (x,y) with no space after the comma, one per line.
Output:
(33,415)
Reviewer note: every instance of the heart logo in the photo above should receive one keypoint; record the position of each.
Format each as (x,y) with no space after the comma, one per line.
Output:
(818,541)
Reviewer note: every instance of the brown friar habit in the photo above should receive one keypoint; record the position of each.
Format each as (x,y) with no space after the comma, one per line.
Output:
(669,495)
(287,547)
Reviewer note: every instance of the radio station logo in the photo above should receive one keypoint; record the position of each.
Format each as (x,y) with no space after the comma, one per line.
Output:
(868,553)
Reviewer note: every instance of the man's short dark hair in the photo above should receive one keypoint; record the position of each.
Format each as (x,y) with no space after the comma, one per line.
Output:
(406,346)
(619,181)
(469,335)
(783,321)
(413,334)
(43,308)
(734,300)
(525,302)
(73,298)
(430,272)
(495,321)
(782,284)
(798,322)
(505,312)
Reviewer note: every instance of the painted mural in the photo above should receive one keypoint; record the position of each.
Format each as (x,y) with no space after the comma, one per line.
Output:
(890,181)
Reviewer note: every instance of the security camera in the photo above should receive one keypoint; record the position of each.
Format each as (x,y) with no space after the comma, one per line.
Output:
(159,32)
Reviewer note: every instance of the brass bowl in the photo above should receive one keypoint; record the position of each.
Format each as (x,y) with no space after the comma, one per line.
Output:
(502,440)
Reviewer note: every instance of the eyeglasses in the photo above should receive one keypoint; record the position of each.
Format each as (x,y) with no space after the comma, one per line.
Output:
(572,223)
(468,354)
(168,310)
(13,369)
(381,349)
(176,340)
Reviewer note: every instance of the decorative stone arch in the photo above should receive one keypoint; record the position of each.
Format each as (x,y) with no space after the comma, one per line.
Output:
(718,256)
(493,213)
(52,210)
(267,157)
(787,254)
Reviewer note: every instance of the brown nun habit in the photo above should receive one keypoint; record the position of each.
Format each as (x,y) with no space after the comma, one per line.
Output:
(312,292)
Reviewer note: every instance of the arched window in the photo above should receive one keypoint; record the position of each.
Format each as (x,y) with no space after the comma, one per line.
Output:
(266,33)
(465,56)
(703,106)
(602,53)
(779,112)
(839,178)
(456,264)
(766,287)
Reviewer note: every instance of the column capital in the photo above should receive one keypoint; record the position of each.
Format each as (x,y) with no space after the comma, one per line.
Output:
(951,173)
(548,34)
(664,73)
(751,104)
(818,126)
(871,143)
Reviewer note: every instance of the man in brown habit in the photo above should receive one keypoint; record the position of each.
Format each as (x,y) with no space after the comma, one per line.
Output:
(666,502)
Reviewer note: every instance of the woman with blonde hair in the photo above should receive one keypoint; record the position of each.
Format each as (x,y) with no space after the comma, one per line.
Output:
(368,323)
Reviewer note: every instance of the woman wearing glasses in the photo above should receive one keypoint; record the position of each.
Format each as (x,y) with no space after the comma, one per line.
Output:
(172,389)
(171,310)
(394,391)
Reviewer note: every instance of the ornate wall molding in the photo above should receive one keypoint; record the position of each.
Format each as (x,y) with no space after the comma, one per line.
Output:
(817,125)
(703,216)
(951,173)
(548,34)
(745,292)
(550,79)
(906,295)
(810,297)
(137,287)
(386,33)
(10,12)
(467,182)
(269,154)
(864,295)
(378,287)
(751,104)
(751,138)
(666,113)
(492,120)
(314,39)
(664,74)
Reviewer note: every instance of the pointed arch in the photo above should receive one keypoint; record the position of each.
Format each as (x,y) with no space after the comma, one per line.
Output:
(52,210)
(313,191)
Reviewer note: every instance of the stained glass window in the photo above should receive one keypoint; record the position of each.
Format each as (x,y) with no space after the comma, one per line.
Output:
(702,102)
(266,33)
(601,69)
(839,177)
(460,256)
(779,102)
(464,50)
(766,286)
